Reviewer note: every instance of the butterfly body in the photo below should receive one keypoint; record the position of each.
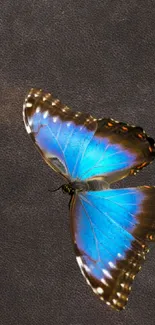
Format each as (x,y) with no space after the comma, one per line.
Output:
(110,227)
(79,186)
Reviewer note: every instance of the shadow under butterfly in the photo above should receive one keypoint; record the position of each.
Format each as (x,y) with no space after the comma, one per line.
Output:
(110,227)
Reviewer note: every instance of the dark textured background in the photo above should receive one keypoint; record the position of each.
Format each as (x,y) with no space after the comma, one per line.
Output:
(96,56)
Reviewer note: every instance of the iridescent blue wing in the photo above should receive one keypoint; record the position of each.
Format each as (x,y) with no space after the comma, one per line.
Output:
(116,150)
(82,147)
(60,134)
(110,230)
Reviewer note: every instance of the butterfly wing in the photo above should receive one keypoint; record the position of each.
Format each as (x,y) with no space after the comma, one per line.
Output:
(60,134)
(110,230)
(115,151)
(81,147)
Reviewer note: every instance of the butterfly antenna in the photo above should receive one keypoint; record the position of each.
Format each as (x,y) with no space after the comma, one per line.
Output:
(57,189)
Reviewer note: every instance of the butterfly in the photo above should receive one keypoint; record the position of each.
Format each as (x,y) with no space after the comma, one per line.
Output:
(110,228)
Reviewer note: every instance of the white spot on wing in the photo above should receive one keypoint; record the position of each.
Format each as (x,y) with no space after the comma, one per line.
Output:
(45,114)
(46,97)
(112,265)
(68,124)
(28,104)
(104,282)
(114,301)
(55,102)
(30,122)
(87,269)
(38,109)
(122,285)
(55,119)
(100,290)
(107,273)
(66,108)
(28,129)
(36,94)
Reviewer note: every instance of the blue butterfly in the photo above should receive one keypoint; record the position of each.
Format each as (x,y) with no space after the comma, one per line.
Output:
(110,227)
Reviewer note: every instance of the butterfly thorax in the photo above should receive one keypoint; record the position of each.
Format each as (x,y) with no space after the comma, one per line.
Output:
(84,186)
(74,187)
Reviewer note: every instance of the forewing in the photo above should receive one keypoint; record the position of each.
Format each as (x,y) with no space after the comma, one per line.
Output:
(110,230)
(82,147)
(60,134)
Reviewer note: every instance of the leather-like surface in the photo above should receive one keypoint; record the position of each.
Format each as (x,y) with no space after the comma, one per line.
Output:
(98,57)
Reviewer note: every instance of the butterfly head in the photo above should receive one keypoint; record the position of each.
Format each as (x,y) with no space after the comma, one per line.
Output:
(67,188)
